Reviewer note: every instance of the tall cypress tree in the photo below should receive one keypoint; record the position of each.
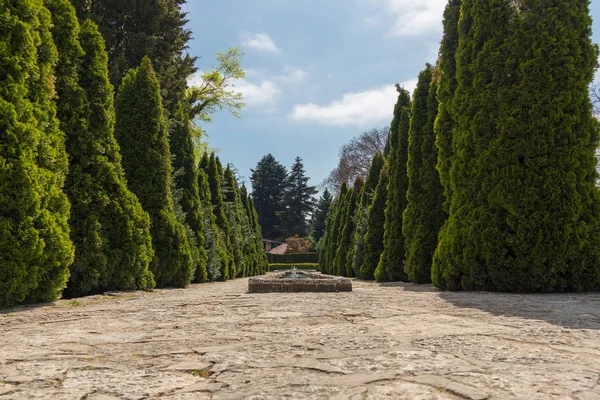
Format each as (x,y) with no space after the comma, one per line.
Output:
(141,131)
(391,262)
(263,262)
(213,243)
(231,206)
(35,249)
(445,122)
(334,232)
(319,217)
(375,229)
(186,180)
(109,228)
(348,229)
(424,214)
(362,214)
(543,206)
(214,181)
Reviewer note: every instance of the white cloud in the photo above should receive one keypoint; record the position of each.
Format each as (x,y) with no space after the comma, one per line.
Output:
(408,17)
(262,42)
(360,109)
(293,76)
(265,94)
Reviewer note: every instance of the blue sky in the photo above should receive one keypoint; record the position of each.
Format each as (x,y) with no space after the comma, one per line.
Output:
(319,72)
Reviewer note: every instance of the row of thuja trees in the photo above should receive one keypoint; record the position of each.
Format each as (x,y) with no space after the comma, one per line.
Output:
(488,181)
(100,194)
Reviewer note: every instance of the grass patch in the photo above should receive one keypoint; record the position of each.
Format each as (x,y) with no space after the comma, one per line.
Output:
(201,373)
(74,303)
(279,266)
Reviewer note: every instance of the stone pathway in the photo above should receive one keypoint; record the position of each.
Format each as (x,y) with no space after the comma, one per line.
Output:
(216,341)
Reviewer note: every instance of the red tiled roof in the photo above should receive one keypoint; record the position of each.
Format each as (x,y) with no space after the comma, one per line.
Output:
(281,249)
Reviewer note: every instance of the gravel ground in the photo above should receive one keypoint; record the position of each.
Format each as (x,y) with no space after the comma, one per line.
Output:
(216,341)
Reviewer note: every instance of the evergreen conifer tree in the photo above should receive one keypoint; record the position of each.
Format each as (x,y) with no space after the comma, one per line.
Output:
(218,206)
(231,199)
(362,213)
(213,243)
(297,203)
(153,28)
(445,122)
(348,229)
(141,131)
(375,229)
(424,213)
(334,232)
(319,217)
(524,211)
(109,228)
(35,249)
(269,180)
(186,180)
(391,262)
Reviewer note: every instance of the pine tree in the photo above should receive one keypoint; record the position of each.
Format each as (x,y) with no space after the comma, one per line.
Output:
(424,213)
(269,180)
(375,229)
(215,248)
(319,217)
(391,262)
(214,180)
(362,213)
(186,180)
(445,122)
(109,228)
(297,203)
(35,249)
(348,229)
(141,131)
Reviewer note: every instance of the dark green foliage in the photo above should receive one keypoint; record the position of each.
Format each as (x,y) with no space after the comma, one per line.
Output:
(291,258)
(445,121)
(141,131)
(319,217)
(277,267)
(332,234)
(362,213)
(524,212)
(262,262)
(218,208)
(375,229)
(35,249)
(424,215)
(297,202)
(215,248)
(135,29)
(109,228)
(186,181)
(347,231)
(253,248)
(233,211)
(269,180)
(391,262)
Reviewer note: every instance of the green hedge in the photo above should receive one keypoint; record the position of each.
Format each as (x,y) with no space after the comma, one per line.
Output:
(291,258)
(279,266)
